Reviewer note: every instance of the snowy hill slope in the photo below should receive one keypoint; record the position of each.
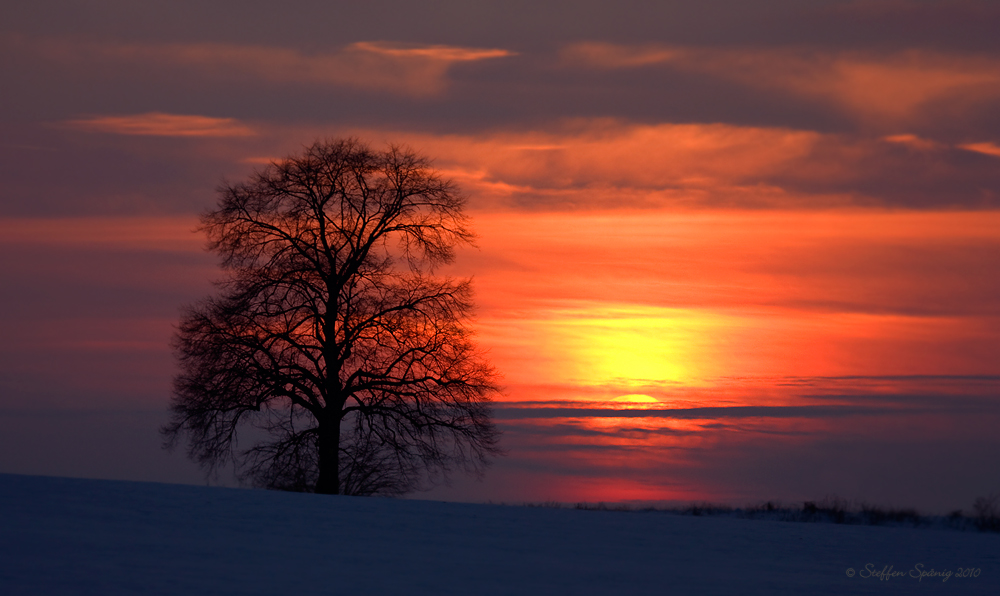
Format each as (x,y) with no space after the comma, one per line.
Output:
(72,536)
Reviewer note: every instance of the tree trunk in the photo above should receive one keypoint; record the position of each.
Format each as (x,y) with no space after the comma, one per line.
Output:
(328,482)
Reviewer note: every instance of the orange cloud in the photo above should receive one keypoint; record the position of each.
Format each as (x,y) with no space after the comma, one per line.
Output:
(612,56)
(175,233)
(897,87)
(911,140)
(653,164)
(159,124)
(984,148)
(600,163)
(377,66)
(431,52)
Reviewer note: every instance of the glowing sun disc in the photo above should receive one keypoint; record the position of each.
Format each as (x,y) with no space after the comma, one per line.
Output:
(636,398)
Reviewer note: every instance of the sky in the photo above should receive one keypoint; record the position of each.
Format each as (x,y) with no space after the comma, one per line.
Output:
(728,251)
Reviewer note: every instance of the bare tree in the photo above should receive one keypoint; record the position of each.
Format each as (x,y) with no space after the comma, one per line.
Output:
(334,359)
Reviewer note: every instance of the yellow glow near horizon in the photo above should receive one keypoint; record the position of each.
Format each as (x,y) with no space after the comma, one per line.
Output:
(636,398)
(631,346)
(596,305)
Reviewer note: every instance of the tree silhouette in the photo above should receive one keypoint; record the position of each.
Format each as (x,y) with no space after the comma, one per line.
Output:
(333,359)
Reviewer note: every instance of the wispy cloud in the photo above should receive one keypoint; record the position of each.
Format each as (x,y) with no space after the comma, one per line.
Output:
(432,52)
(159,124)
(984,148)
(146,233)
(894,87)
(417,70)
(599,161)
(612,56)
(913,141)
(509,412)
(608,163)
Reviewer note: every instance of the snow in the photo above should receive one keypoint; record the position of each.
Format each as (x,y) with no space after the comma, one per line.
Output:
(73,536)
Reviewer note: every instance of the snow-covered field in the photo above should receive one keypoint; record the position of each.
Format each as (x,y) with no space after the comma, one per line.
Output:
(72,536)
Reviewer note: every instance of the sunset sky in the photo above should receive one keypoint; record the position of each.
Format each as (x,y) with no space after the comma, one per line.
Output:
(729,251)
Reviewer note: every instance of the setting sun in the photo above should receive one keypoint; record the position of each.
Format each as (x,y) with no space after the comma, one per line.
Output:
(636,398)
(630,346)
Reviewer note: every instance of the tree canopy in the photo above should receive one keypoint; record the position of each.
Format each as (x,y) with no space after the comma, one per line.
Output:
(334,358)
